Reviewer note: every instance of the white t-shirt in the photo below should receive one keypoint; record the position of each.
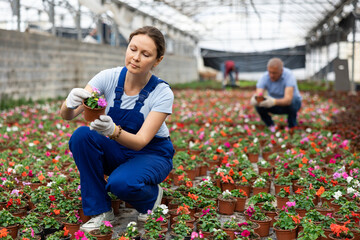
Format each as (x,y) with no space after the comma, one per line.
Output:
(159,100)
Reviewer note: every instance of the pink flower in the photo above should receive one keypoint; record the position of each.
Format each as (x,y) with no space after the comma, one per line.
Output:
(79,234)
(107,223)
(102,102)
(201,235)
(291,204)
(245,233)
(160,219)
(336,175)
(194,235)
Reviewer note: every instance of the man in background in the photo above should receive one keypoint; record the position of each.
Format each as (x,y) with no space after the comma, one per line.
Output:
(283,94)
(229,70)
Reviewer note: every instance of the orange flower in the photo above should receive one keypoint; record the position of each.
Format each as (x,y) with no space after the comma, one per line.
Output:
(41,177)
(304,160)
(298,191)
(54,160)
(193,196)
(66,231)
(57,211)
(24,174)
(287,189)
(296,219)
(3,232)
(189,184)
(231,172)
(20,151)
(320,191)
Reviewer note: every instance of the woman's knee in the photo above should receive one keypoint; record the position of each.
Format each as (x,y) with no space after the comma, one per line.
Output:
(80,133)
(121,186)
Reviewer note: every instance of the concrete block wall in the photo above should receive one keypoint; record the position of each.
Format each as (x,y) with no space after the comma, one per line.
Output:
(36,66)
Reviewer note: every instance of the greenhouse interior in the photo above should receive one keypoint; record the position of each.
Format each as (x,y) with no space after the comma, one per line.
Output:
(237,119)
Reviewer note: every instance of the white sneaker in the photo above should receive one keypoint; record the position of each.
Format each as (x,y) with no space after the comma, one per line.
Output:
(96,221)
(143,216)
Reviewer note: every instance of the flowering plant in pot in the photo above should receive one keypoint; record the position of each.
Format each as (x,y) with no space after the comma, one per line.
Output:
(28,234)
(132,231)
(261,198)
(286,221)
(311,231)
(59,235)
(180,228)
(246,231)
(104,230)
(4,234)
(94,106)
(340,232)
(219,234)
(95,101)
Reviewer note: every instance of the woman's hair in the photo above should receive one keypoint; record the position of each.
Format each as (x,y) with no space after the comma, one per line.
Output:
(155,35)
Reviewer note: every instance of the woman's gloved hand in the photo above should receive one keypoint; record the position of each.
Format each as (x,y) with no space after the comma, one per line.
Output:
(105,125)
(76,96)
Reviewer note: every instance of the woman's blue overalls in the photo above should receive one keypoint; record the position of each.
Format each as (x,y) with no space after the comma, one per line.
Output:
(133,175)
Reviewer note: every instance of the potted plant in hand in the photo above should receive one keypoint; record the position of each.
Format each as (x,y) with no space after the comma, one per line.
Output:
(104,232)
(286,225)
(94,106)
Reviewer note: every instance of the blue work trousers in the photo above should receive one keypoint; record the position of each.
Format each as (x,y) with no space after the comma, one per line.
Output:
(133,175)
(290,110)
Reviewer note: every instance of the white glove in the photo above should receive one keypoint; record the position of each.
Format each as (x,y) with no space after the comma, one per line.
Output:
(105,125)
(76,96)
(253,100)
(268,103)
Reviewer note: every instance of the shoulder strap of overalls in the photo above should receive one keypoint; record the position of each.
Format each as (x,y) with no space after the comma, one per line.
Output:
(144,93)
(119,90)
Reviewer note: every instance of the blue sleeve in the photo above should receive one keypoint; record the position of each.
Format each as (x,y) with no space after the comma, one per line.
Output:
(262,82)
(290,80)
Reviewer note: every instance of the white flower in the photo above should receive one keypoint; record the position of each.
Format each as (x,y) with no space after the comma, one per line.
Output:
(226,193)
(31,144)
(253,127)
(337,195)
(348,179)
(256,140)
(308,130)
(49,146)
(350,190)
(277,134)
(130,224)
(164,208)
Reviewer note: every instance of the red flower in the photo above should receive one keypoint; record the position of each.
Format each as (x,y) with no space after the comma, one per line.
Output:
(245,233)
(52,198)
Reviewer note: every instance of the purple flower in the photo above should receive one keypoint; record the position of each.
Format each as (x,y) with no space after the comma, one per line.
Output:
(102,102)
(336,175)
